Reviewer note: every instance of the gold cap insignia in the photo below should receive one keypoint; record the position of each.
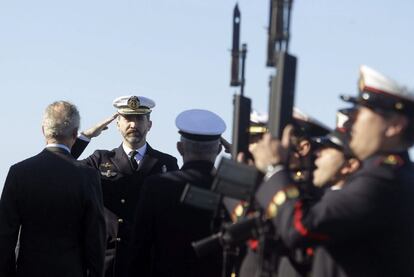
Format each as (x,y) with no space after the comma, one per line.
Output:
(133,103)
(257,129)
(399,106)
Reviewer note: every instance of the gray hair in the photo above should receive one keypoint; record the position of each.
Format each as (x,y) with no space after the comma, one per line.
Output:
(202,150)
(60,120)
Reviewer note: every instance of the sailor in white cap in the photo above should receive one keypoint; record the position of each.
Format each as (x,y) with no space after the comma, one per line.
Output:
(301,161)
(334,159)
(165,228)
(123,171)
(360,224)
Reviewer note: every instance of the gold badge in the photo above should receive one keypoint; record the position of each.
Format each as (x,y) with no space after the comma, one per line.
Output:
(133,103)
(107,170)
(238,211)
(272,210)
(299,176)
(393,160)
(279,198)
(292,192)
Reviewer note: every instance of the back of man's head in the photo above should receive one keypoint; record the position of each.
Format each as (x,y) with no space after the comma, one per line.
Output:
(193,150)
(200,132)
(61,121)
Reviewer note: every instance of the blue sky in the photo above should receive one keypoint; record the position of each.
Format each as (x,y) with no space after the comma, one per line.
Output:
(177,53)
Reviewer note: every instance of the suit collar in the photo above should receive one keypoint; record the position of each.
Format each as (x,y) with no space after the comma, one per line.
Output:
(60,151)
(58,145)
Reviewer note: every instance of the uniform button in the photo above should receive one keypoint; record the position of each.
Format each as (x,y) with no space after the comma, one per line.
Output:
(122,200)
(118,239)
(120,220)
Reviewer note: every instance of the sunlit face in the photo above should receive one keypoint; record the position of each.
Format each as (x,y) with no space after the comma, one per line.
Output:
(253,140)
(367,132)
(328,163)
(134,129)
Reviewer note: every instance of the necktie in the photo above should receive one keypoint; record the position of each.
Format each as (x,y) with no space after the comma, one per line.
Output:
(134,163)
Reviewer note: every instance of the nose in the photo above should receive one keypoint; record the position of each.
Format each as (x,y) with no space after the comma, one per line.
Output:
(317,153)
(350,114)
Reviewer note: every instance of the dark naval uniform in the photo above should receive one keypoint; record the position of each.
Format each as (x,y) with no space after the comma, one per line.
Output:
(57,203)
(165,227)
(296,262)
(367,227)
(121,187)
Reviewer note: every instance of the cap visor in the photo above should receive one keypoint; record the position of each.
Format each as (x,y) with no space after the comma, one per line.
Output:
(349,99)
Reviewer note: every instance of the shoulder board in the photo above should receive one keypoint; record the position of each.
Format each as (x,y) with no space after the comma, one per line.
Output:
(391,160)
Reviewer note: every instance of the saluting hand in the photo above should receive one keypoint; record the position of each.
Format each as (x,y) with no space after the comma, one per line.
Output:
(98,128)
(269,151)
(226,145)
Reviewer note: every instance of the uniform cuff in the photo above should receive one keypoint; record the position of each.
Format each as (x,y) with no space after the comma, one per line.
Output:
(83,137)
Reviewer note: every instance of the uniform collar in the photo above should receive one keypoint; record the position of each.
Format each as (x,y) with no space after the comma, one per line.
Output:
(141,151)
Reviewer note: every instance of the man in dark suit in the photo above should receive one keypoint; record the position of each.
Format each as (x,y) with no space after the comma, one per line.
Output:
(56,203)
(123,170)
(367,227)
(164,227)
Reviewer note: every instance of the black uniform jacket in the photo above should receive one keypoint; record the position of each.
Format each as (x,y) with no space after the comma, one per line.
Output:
(166,227)
(121,186)
(367,227)
(57,202)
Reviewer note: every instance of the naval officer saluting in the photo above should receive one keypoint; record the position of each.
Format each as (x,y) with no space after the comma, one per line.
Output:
(123,171)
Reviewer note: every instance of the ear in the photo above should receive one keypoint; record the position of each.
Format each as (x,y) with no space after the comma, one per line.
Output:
(43,130)
(351,165)
(180,148)
(219,148)
(117,122)
(396,126)
(149,124)
(75,134)
(304,147)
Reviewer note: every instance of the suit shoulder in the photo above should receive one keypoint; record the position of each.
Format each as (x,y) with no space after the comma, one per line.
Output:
(27,163)
(86,169)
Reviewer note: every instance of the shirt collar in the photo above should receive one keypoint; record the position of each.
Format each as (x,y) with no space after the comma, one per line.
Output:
(58,146)
(141,151)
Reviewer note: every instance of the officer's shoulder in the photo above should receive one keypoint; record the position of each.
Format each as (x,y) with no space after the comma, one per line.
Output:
(384,165)
(161,155)
(162,182)
(104,153)
(167,177)
(391,161)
